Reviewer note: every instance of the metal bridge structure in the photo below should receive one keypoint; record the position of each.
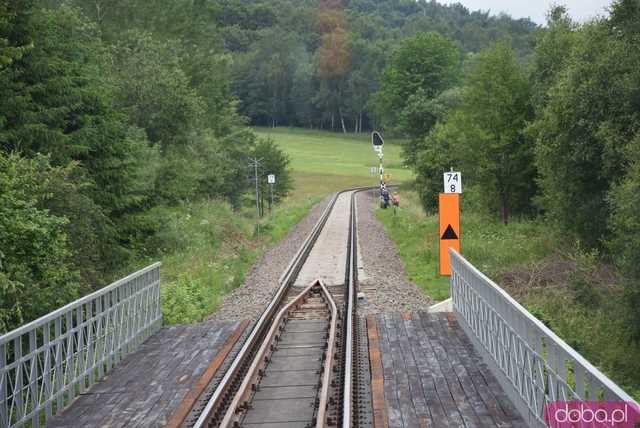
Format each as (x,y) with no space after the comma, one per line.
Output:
(488,362)
(46,363)
(533,365)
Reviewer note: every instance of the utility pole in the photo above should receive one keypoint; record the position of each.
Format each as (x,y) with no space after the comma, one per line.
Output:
(271,204)
(255,163)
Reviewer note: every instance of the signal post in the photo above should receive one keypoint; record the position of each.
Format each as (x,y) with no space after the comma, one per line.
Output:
(377,142)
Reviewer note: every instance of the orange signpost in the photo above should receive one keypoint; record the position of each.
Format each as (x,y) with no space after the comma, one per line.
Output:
(449,229)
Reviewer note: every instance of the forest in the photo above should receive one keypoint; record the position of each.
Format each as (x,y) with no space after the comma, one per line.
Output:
(548,144)
(115,115)
(554,138)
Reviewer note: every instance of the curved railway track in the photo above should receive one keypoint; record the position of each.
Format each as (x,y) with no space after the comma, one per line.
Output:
(296,367)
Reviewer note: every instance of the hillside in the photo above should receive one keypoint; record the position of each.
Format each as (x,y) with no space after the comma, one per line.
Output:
(319,63)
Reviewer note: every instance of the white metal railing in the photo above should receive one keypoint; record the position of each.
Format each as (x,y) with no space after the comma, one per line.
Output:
(46,363)
(532,364)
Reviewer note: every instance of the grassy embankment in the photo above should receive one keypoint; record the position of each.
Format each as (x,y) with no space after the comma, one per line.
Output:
(488,244)
(572,292)
(207,248)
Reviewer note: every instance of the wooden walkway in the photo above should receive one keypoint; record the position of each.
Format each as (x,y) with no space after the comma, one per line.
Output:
(425,373)
(147,387)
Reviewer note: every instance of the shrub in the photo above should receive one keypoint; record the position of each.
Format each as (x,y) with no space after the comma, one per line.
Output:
(36,273)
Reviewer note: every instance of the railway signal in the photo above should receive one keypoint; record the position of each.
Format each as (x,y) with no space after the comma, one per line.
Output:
(378,143)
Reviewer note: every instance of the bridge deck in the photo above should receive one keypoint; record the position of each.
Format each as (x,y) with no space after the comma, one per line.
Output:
(426,373)
(147,387)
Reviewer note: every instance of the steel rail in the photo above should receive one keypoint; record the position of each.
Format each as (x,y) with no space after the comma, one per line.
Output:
(263,322)
(352,272)
(259,360)
(326,376)
(286,280)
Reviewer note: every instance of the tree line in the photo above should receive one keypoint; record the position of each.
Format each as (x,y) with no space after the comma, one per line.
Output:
(556,136)
(318,63)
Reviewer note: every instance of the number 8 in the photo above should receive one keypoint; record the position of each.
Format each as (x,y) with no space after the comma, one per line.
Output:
(453,188)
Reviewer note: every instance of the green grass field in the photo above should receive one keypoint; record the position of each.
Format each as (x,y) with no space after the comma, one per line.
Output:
(323,162)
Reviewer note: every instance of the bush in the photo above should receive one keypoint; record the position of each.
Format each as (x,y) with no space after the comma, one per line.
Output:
(581,279)
(274,161)
(36,273)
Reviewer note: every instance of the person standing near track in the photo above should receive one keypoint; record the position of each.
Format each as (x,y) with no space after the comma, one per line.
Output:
(395,201)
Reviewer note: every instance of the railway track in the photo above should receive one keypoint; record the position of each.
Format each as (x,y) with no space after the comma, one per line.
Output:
(296,367)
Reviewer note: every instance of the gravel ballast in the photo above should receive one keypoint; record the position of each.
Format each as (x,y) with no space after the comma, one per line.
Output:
(384,282)
(326,260)
(251,298)
(382,276)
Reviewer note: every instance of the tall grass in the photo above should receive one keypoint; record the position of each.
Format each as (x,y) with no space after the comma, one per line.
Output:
(206,250)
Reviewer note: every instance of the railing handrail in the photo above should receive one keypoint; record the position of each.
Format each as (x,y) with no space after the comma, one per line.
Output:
(76,303)
(601,377)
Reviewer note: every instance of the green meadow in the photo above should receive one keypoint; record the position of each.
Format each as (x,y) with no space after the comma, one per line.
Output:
(323,162)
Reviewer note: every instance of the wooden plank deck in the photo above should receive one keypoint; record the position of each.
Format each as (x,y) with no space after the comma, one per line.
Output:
(147,387)
(431,375)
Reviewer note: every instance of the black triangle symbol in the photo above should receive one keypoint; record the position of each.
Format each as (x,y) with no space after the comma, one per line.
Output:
(449,233)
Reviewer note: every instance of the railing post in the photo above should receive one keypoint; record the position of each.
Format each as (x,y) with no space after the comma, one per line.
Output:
(4,380)
(33,378)
(91,341)
(99,336)
(18,398)
(46,372)
(59,383)
(81,348)
(109,330)
(70,368)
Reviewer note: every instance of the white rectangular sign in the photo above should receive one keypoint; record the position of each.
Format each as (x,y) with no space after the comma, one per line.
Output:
(271,179)
(452,182)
